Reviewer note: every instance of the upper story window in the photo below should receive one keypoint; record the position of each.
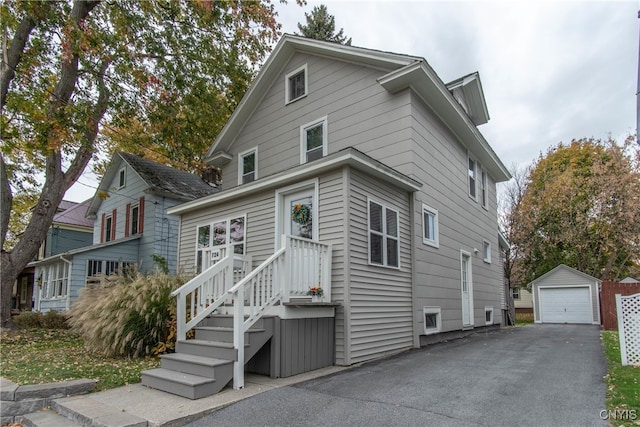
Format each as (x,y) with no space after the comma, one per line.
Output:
(247,166)
(109,228)
(122,177)
(313,140)
(484,190)
(430,226)
(296,84)
(472,177)
(134,218)
(384,247)
(486,251)
(515,293)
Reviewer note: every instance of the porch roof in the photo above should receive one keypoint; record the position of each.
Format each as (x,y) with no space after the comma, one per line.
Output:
(347,157)
(71,253)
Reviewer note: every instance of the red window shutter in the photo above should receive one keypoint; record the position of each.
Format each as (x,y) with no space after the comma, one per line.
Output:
(127,219)
(102,229)
(113,225)
(141,215)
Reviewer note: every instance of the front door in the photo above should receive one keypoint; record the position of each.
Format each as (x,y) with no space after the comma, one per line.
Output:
(467,293)
(298,215)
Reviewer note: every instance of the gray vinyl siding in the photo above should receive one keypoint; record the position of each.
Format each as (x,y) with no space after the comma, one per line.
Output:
(441,164)
(360,113)
(567,277)
(380,307)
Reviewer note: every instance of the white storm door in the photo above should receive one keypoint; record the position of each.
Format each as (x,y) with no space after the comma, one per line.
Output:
(298,215)
(466,286)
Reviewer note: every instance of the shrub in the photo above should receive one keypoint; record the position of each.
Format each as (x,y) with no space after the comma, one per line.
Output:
(127,315)
(36,320)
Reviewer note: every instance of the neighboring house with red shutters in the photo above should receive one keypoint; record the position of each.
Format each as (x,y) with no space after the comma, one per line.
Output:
(131,227)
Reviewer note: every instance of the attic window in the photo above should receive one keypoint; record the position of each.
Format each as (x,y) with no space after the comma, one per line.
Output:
(122,177)
(296,84)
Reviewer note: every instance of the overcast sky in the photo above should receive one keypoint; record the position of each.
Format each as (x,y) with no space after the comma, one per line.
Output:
(551,71)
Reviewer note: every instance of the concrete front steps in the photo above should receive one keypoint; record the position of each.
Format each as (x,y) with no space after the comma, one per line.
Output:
(203,366)
(81,411)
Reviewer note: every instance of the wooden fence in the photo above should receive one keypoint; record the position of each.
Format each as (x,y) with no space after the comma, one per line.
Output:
(608,301)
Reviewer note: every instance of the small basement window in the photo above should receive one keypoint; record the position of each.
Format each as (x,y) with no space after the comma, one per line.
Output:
(432,320)
(488,315)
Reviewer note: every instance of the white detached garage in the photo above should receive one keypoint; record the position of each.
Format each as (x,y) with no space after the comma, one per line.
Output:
(566,295)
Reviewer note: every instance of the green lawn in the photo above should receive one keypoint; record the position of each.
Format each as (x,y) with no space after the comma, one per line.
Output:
(38,356)
(623,384)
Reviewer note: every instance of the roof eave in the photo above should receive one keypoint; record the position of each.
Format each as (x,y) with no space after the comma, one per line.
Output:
(347,157)
(425,83)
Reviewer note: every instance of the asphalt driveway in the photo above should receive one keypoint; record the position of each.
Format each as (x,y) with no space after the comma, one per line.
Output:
(536,375)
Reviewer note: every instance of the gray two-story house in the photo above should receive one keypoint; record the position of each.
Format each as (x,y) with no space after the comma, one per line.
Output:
(358,171)
(130,227)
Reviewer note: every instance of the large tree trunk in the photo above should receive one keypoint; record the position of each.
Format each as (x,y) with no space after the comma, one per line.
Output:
(57,182)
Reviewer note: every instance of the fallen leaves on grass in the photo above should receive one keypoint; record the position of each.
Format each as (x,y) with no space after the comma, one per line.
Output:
(39,356)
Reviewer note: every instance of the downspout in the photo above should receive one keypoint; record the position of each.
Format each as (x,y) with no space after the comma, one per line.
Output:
(638,92)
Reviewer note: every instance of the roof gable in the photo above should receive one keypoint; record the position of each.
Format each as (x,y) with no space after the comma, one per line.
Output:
(401,72)
(564,267)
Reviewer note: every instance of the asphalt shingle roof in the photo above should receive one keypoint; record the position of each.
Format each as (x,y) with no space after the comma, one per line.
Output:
(165,179)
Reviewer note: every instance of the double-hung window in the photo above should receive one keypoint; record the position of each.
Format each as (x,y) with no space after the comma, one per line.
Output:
(430,226)
(313,139)
(296,84)
(486,251)
(108,228)
(472,177)
(384,245)
(247,166)
(122,177)
(483,188)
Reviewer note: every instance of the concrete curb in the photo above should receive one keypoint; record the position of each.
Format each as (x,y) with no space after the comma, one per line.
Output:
(19,400)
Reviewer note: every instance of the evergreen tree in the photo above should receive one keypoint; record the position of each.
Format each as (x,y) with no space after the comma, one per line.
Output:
(322,26)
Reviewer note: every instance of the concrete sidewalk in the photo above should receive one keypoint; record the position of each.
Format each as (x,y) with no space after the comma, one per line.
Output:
(132,405)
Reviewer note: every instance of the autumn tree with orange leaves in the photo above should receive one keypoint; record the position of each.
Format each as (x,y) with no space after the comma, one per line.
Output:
(77,75)
(579,206)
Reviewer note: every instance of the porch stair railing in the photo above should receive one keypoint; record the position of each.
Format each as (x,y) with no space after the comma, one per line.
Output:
(298,265)
(200,296)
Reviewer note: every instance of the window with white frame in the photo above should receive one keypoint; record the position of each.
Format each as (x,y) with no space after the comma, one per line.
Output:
(296,84)
(313,140)
(216,237)
(484,190)
(122,177)
(488,315)
(247,166)
(486,251)
(430,226)
(432,320)
(384,245)
(134,219)
(108,228)
(98,267)
(472,171)
(515,293)
(55,280)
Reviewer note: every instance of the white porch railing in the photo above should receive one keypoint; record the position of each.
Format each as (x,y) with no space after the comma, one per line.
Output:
(207,291)
(298,265)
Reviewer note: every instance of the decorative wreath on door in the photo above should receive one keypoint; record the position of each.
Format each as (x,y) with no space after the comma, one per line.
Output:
(301,213)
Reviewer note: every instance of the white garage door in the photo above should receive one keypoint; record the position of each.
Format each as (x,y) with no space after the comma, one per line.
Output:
(565,305)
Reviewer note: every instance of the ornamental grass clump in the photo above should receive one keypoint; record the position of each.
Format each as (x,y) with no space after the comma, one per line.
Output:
(131,315)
